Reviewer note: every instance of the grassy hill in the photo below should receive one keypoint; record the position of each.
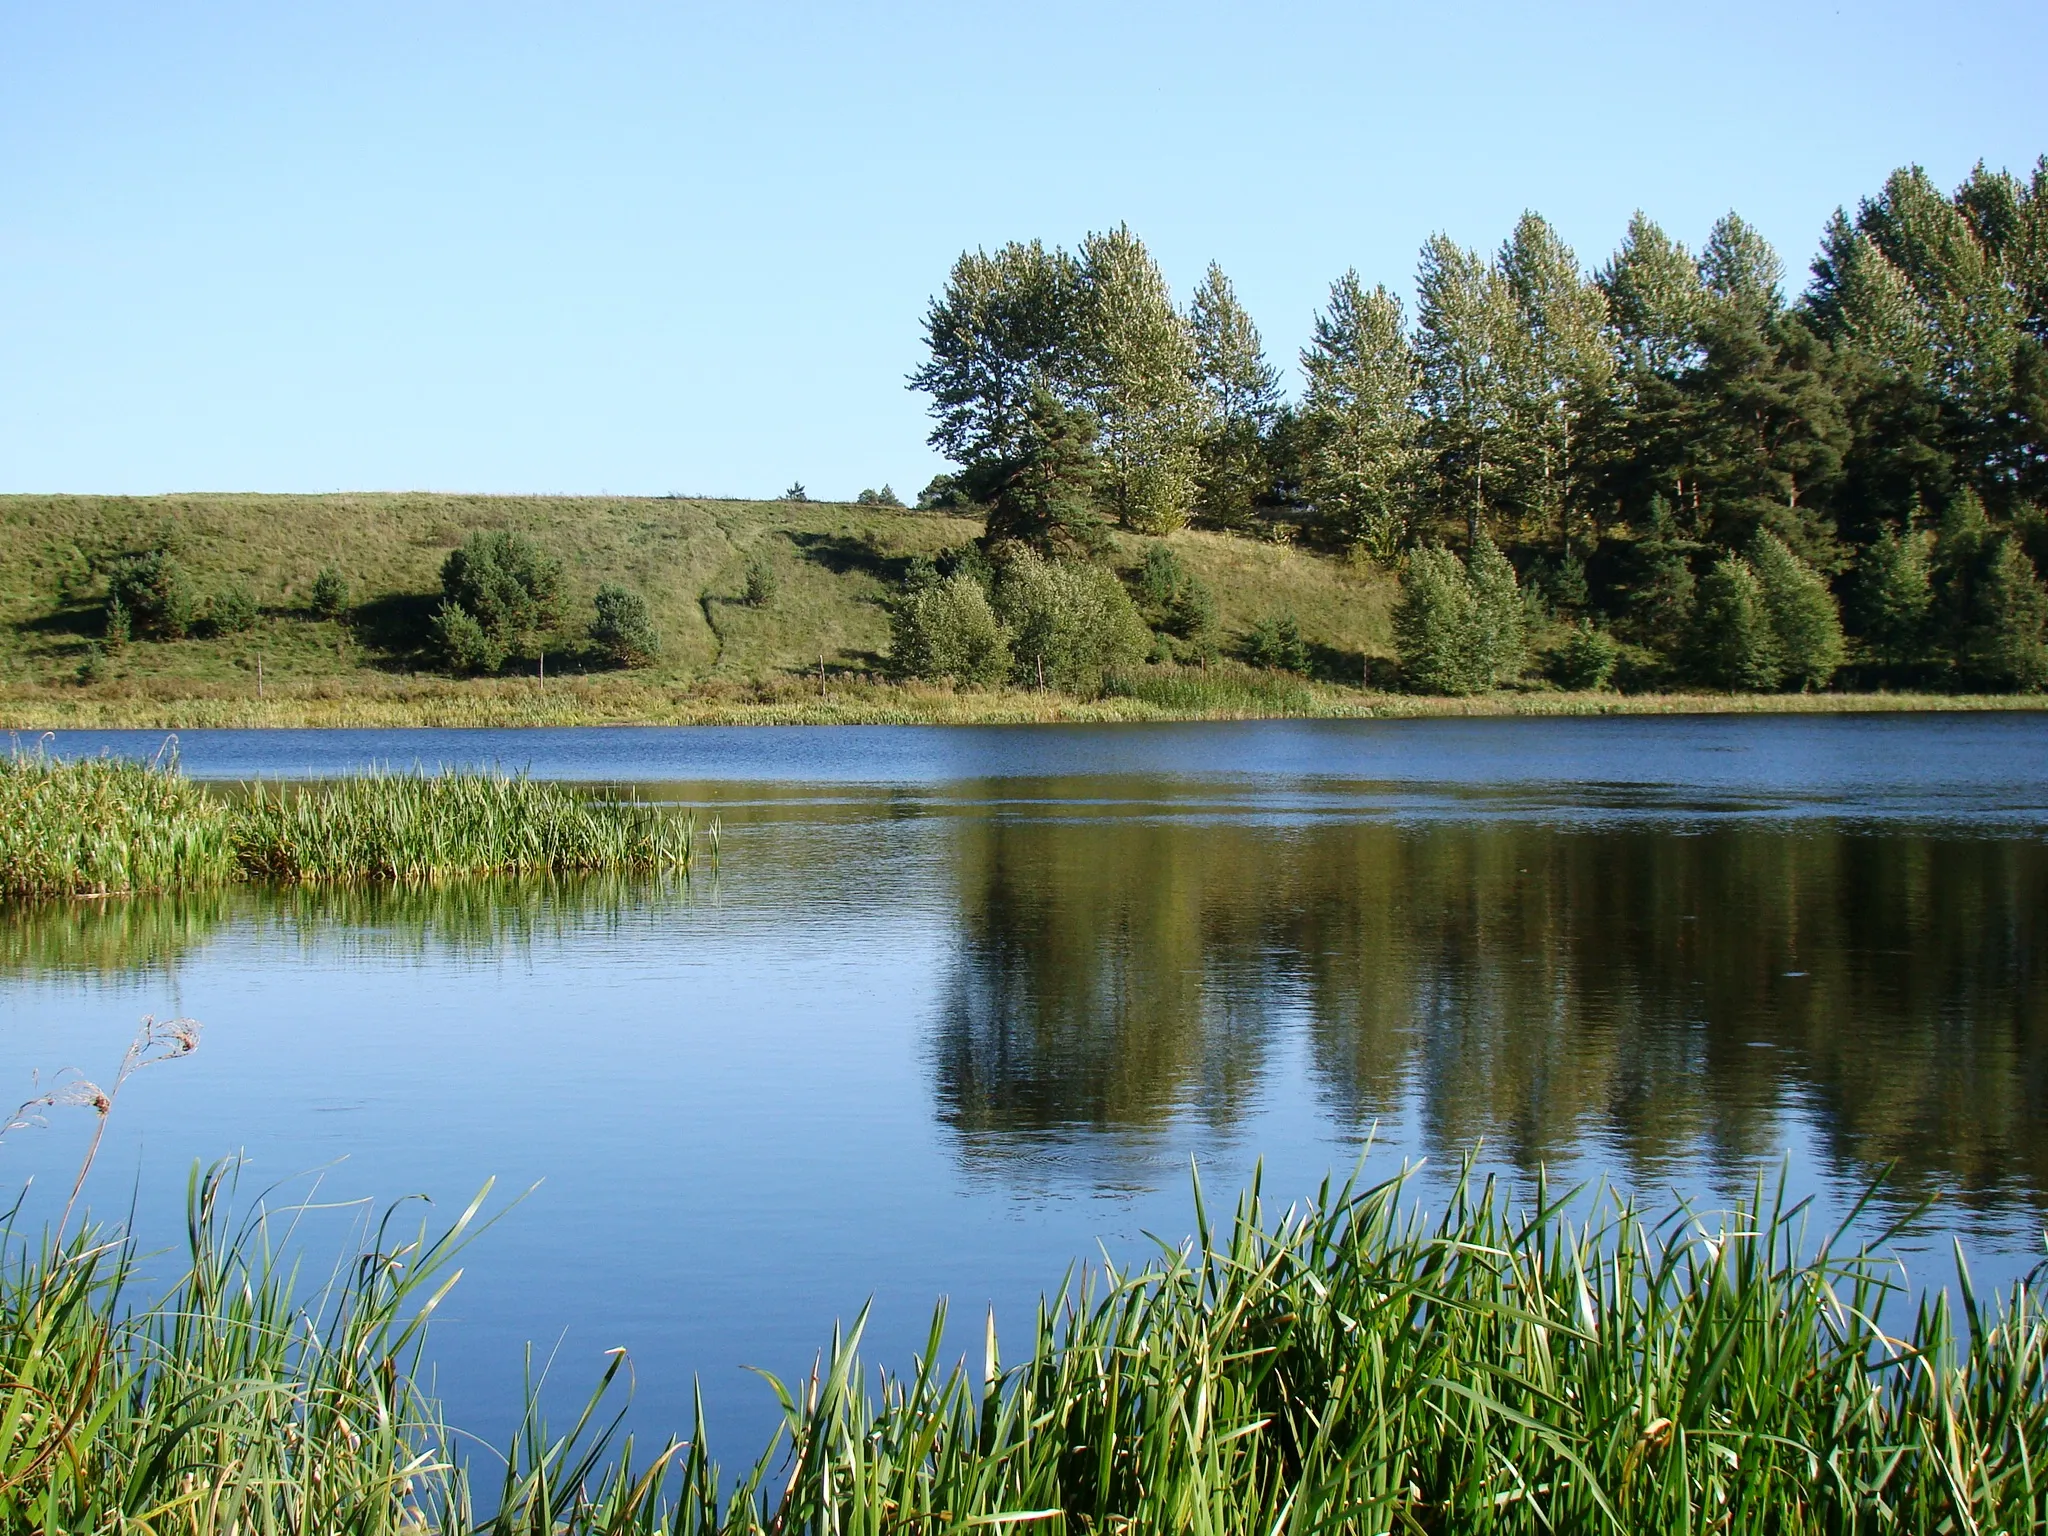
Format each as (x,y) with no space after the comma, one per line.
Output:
(834,564)
(722,660)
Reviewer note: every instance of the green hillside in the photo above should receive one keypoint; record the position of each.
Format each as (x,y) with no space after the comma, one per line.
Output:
(833,565)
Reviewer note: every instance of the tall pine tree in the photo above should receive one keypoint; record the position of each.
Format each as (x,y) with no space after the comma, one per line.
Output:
(1360,414)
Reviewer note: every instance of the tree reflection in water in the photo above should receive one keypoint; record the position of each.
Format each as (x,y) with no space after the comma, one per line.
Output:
(1673,993)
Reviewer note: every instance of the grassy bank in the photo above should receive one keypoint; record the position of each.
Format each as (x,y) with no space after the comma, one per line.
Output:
(1354,1366)
(102,825)
(1224,692)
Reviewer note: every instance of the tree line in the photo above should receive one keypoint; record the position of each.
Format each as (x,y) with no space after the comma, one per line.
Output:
(1702,478)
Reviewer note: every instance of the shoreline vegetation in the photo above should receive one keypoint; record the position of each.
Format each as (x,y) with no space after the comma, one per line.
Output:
(1159,695)
(1518,1361)
(107,826)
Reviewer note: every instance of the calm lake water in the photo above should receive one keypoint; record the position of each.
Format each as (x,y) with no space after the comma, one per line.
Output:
(958,1007)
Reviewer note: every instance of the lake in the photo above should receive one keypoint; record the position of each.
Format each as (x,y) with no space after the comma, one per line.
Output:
(957,1008)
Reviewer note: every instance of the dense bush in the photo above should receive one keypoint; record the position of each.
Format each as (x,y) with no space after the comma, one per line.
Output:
(329,597)
(1806,627)
(945,628)
(506,584)
(885,497)
(155,593)
(1275,642)
(1068,622)
(231,611)
(2006,648)
(464,646)
(1460,628)
(1733,644)
(623,630)
(1586,659)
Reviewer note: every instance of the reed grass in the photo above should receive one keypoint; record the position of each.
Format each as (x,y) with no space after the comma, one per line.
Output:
(1349,1366)
(101,826)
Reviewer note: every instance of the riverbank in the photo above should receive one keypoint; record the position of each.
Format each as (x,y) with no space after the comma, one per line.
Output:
(623,700)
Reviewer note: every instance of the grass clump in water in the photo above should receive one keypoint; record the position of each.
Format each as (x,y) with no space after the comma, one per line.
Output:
(102,825)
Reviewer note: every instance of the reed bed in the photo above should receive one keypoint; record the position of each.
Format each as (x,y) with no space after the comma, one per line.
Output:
(1349,1366)
(101,826)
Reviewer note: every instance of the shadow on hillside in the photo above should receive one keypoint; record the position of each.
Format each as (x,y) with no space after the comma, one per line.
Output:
(394,626)
(86,620)
(842,554)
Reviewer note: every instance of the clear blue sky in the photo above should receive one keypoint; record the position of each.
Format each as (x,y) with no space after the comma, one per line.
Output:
(679,247)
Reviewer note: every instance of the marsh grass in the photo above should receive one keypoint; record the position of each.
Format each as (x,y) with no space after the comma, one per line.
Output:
(1351,1365)
(1224,690)
(101,826)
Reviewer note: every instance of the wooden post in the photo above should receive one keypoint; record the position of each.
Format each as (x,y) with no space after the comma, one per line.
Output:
(259,677)
(543,681)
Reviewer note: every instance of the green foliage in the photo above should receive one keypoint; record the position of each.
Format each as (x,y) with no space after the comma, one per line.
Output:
(1734,645)
(93,666)
(1275,642)
(231,611)
(623,629)
(1894,598)
(1806,627)
(1586,659)
(1437,624)
(1193,620)
(761,580)
(943,493)
(156,594)
(1140,366)
(119,626)
(885,497)
(2007,646)
(1360,425)
(1242,403)
(796,492)
(507,584)
(946,628)
(1160,576)
(1069,623)
(1460,628)
(1502,633)
(329,597)
(1047,495)
(462,643)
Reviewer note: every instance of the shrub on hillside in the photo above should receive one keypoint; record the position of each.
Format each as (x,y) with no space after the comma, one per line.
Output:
(506,584)
(464,646)
(946,628)
(231,611)
(1069,622)
(329,597)
(1275,642)
(1436,625)
(623,630)
(761,583)
(885,497)
(154,591)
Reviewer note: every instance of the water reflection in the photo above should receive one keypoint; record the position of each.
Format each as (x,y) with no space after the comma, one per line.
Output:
(118,937)
(1666,995)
